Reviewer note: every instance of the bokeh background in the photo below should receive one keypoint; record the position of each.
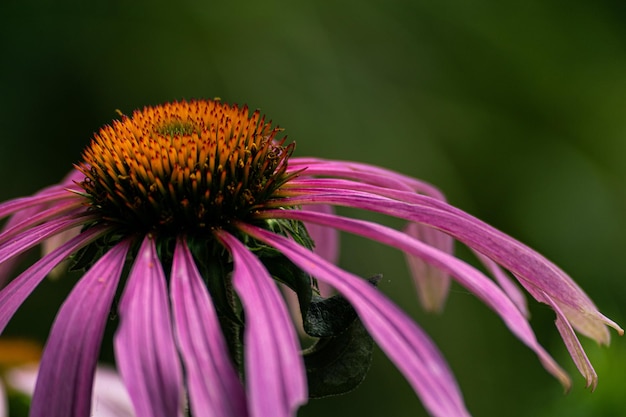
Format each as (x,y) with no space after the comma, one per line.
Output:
(515,109)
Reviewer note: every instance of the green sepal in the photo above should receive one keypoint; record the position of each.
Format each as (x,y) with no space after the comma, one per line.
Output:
(281,268)
(289,274)
(85,257)
(339,363)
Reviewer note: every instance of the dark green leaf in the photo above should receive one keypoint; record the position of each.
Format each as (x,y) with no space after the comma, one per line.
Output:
(341,358)
(337,365)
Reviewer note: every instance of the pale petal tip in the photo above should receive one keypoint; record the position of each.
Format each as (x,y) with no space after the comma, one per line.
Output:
(615,326)
(612,324)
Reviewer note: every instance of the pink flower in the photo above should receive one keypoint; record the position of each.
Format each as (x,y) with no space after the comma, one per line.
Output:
(109,398)
(201,203)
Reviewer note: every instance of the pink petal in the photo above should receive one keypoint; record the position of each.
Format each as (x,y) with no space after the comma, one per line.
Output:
(40,216)
(432,283)
(522,261)
(402,340)
(37,234)
(570,339)
(144,343)
(506,283)
(55,194)
(364,173)
(69,359)
(274,368)
(14,294)
(214,387)
(110,396)
(467,276)
(326,241)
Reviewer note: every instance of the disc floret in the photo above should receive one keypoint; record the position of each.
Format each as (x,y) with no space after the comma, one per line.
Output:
(183,167)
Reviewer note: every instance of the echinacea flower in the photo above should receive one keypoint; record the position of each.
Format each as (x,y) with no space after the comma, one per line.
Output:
(193,211)
(19,366)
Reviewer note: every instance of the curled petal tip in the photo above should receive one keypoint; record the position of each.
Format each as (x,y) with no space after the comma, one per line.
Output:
(614,325)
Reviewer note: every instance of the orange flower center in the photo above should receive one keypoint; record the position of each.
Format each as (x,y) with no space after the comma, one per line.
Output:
(183,167)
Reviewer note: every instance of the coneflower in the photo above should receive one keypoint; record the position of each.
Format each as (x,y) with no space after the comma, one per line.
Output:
(191,212)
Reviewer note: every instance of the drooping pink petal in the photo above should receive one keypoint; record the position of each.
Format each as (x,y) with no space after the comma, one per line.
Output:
(275,375)
(144,343)
(326,241)
(8,265)
(54,242)
(364,173)
(402,340)
(14,294)
(50,196)
(432,283)
(65,380)
(570,339)
(522,261)
(214,387)
(506,283)
(61,208)
(37,234)
(470,278)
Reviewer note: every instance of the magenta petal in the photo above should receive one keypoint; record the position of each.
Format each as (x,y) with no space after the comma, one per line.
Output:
(69,359)
(36,235)
(526,264)
(569,337)
(506,283)
(14,294)
(326,241)
(470,278)
(214,387)
(404,342)
(274,368)
(34,217)
(364,172)
(55,194)
(8,265)
(144,343)
(432,283)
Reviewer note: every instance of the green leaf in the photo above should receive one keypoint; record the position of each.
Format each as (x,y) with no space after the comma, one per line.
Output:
(341,358)
(337,365)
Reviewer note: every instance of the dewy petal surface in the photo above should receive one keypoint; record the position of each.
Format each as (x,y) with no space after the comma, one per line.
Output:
(69,359)
(274,368)
(404,342)
(144,343)
(213,384)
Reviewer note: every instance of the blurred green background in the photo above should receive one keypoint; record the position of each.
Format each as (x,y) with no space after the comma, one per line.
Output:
(514,109)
